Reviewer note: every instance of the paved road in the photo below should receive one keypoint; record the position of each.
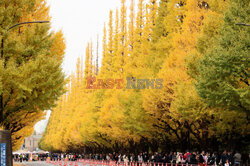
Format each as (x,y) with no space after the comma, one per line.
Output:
(39,163)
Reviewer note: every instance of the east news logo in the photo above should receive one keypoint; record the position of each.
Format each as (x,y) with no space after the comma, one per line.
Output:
(131,83)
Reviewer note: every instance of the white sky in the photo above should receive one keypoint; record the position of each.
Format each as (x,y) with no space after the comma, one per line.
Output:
(41,125)
(80,21)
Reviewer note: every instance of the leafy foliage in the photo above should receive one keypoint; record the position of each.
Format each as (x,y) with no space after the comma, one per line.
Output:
(31,78)
(224,70)
(188,45)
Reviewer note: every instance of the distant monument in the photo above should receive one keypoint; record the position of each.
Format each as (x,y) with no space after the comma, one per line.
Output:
(31,142)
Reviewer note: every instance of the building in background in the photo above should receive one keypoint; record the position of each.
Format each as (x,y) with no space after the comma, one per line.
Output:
(31,142)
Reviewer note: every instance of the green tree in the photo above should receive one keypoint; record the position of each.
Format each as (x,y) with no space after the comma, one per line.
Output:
(223,79)
(31,77)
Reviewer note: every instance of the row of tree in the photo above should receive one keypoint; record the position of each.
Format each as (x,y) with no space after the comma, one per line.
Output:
(31,77)
(202,56)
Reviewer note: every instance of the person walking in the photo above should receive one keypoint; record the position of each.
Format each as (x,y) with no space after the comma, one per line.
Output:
(244,158)
(237,159)
(140,158)
(201,158)
(226,163)
(211,159)
(205,157)
(174,158)
(224,157)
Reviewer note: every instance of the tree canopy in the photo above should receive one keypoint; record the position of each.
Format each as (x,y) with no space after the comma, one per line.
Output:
(203,59)
(31,77)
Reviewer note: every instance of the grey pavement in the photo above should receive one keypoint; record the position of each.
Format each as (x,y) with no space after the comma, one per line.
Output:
(43,163)
(34,163)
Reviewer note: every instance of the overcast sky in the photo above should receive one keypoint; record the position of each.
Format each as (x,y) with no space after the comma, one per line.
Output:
(80,21)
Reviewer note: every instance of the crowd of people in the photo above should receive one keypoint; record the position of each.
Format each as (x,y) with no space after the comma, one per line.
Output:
(30,157)
(232,158)
(20,157)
